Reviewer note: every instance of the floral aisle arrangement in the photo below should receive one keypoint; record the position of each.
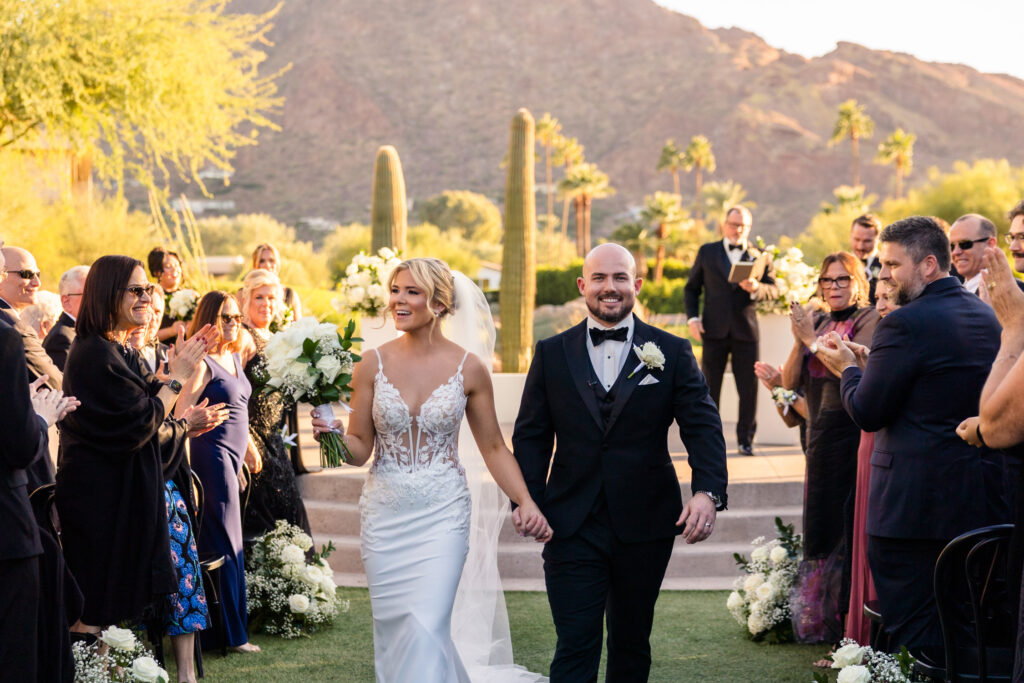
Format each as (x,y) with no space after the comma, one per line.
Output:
(760,600)
(796,280)
(124,658)
(861,664)
(288,596)
(181,305)
(310,362)
(364,288)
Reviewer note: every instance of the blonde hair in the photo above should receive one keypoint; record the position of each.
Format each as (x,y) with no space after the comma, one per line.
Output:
(434,277)
(258,252)
(253,281)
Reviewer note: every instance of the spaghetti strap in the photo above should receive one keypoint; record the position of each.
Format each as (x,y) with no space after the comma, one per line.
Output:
(463,362)
(380,361)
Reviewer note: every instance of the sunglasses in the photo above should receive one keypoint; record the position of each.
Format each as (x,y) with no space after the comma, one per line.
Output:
(966,244)
(842,282)
(139,290)
(25,274)
(231,318)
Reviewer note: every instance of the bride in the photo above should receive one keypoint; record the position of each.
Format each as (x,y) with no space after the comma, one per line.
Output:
(419,520)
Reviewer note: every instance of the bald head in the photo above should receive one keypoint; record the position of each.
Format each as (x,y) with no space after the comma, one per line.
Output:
(19,291)
(610,253)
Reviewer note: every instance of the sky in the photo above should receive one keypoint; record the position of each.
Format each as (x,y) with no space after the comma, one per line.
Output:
(983,34)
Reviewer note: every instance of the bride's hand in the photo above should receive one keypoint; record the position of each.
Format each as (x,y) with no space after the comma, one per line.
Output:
(321,426)
(530,521)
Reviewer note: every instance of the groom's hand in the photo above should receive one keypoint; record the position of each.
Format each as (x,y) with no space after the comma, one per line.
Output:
(698,517)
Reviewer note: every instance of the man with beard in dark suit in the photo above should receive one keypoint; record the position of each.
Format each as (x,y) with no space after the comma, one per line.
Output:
(728,324)
(864,245)
(607,391)
(58,340)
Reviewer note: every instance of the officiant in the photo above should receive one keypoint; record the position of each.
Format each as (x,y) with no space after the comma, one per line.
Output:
(728,324)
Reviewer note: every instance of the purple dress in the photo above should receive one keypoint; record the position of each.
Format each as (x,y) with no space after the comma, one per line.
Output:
(217,458)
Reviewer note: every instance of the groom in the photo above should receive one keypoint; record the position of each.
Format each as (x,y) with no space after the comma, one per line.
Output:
(610,492)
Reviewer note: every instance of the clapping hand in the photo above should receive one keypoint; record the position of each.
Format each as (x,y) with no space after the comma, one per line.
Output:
(698,517)
(769,375)
(184,356)
(1001,289)
(801,323)
(203,417)
(529,521)
(49,404)
(836,353)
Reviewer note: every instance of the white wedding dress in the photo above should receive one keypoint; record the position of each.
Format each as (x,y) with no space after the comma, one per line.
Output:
(418,518)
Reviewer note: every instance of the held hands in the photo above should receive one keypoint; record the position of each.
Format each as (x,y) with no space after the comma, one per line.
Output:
(696,330)
(529,521)
(183,357)
(202,417)
(836,353)
(968,431)
(769,375)
(48,404)
(698,517)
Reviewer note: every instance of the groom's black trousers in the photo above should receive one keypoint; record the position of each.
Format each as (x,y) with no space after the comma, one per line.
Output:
(592,573)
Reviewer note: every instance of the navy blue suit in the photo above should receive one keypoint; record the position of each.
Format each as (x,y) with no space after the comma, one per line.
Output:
(928,364)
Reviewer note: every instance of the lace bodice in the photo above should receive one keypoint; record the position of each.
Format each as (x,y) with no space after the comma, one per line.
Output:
(410,443)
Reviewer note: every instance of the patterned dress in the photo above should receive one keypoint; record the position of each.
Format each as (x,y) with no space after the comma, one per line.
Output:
(188,612)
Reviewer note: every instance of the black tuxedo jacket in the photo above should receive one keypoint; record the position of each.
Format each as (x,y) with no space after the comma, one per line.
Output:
(24,440)
(729,311)
(35,356)
(628,457)
(58,340)
(928,363)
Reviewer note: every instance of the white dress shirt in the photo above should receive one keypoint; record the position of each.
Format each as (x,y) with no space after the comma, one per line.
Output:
(973,284)
(608,358)
(734,254)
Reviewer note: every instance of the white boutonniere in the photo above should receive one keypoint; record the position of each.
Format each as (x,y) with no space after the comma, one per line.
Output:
(650,355)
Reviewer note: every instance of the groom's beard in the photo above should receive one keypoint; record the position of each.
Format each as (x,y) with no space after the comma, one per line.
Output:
(902,294)
(611,317)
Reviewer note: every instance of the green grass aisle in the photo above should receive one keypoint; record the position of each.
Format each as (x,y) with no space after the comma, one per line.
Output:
(694,639)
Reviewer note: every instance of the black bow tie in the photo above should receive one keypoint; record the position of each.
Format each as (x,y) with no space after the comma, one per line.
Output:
(599,336)
(736,247)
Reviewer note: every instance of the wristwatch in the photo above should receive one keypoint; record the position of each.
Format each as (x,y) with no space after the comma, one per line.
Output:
(715,498)
(175,386)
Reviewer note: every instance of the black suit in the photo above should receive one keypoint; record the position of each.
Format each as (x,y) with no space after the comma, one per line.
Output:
(872,267)
(58,340)
(730,327)
(928,363)
(612,495)
(24,440)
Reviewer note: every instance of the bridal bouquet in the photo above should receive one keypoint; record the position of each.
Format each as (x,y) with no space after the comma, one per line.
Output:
(860,664)
(310,362)
(125,659)
(364,288)
(181,305)
(796,280)
(760,601)
(286,595)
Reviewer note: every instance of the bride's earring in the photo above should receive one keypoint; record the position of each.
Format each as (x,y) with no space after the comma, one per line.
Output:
(436,313)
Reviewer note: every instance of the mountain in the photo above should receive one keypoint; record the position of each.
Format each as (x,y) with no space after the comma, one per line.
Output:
(441,81)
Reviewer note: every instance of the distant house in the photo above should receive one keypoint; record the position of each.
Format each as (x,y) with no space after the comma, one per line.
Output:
(488,277)
(224,265)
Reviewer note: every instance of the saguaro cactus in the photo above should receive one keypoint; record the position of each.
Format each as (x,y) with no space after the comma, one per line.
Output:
(388,212)
(519,263)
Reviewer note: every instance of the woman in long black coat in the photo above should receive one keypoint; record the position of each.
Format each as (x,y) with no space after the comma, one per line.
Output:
(117,450)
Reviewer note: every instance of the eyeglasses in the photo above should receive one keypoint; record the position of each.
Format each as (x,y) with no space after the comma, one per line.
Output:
(229,318)
(25,274)
(1012,237)
(139,290)
(966,244)
(841,282)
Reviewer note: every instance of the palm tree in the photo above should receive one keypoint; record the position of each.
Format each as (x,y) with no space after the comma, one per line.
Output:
(567,152)
(848,200)
(664,210)
(898,150)
(637,238)
(670,160)
(852,123)
(583,183)
(546,132)
(719,197)
(698,157)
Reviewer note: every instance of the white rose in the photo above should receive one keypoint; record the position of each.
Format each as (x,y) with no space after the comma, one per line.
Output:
(303,541)
(330,366)
(755,623)
(759,554)
(650,355)
(779,554)
(751,583)
(325,566)
(855,673)
(328,586)
(147,670)
(311,575)
(376,292)
(735,601)
(364,279)
(298,603)
(847,655)
(764,591)
(119,638)
(351,269)
(356,295)
(794,253)
(386,253)
(292,554)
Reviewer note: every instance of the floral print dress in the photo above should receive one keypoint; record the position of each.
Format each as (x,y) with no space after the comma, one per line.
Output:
(188,612)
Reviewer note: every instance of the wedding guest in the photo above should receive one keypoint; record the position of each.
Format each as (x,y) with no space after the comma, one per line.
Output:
(116,447)
(275,493)
(832,442)
(864,245)
(43,314)
(968,237)
(728,324)
(165,266)
(58,340)
(923,378)
(153,351)
(217,456)
(266,257)
(17,292)
(1015,238)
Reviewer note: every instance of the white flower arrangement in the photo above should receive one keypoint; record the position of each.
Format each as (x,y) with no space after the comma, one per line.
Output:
(283,597)
(861,664)
(796,280)
(181,305)
(364,287)
(760,599)
(124,658)
(310,362)
(650,355)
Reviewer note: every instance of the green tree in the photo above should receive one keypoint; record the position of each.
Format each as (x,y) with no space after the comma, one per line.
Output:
(664,211)
(670,160)
(142,88)
(636,236)
(473,215)
(584,183)
(718,197)
(547,133)
(848,199)
(698,157)
(853,123)
(898,150)
(568,153)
